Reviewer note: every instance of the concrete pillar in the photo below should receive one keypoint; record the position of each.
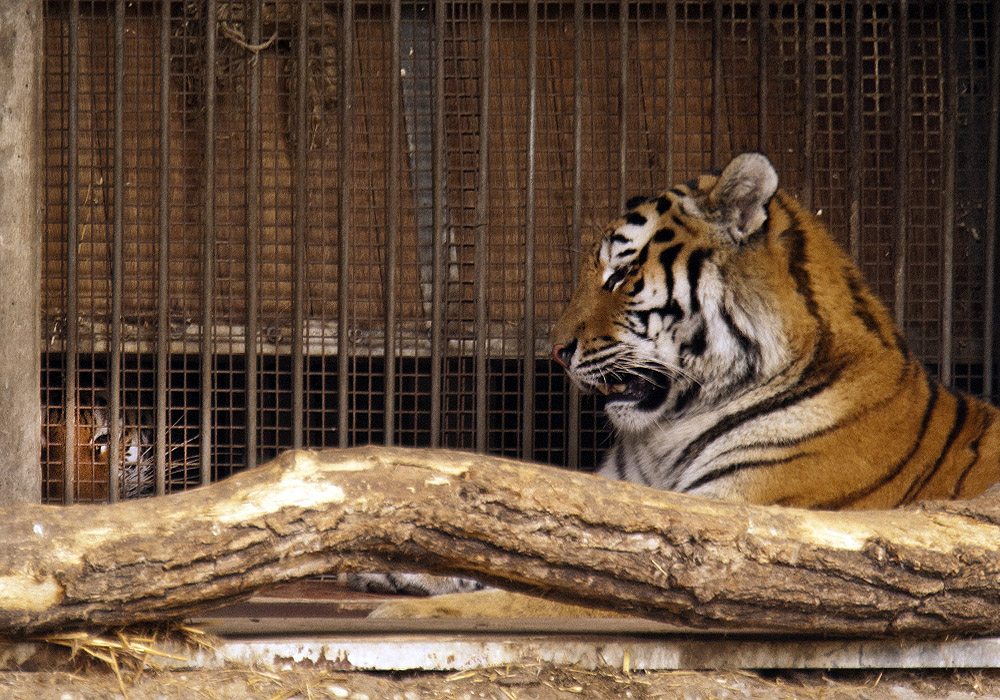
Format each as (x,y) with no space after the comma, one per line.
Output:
(20,249)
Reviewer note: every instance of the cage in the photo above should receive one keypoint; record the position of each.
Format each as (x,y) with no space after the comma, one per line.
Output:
(283,223)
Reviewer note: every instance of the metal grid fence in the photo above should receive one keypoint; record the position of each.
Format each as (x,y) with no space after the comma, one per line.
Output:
(283,223)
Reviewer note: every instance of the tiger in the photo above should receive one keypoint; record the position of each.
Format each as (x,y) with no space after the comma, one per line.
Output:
(92,453)
(742,357)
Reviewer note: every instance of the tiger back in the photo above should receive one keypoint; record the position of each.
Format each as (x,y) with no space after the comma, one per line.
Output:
(743,357)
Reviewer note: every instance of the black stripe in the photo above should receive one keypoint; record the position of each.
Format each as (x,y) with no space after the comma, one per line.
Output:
(618,238)
(640,317)
(730,469)
(958,423)
(639,285)
(635,218)
(625,253)
(640,259)
(686,397)
(862,306)
(615,277)
(696,261)
(697,345)
(636,201)
(750,348)
(865,491)
(797,269)
(667,259)
(974,448)
(662,205)
(620,462)
(664,235)
(672,308)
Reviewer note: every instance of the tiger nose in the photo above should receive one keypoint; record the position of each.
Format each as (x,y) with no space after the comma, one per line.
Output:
(563,353)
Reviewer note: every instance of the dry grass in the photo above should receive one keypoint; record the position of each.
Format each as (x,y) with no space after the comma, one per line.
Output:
(128,653)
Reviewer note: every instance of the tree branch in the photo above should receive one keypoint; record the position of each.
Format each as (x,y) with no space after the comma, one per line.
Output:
(931,570)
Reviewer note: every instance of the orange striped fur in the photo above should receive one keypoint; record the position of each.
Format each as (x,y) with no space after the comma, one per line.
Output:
(744,358)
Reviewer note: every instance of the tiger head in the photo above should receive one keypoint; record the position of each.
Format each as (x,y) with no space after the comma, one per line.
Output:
(678,307)
(92,453)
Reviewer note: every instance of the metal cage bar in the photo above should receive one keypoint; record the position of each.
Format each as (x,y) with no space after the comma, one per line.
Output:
(163,257)
(623,92)
(671,78)
(576,220)
(809,104)
(72,259)
(118,226)
(392,228)
(299,229)
(855,156)
(902,214)
(528,427)
(252,288)
(763,32)
(481,240)
(438,279)
(344,233)
(715,143)
(206,363)
(950,94)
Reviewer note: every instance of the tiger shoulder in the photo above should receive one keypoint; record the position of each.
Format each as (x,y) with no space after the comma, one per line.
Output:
(743,357)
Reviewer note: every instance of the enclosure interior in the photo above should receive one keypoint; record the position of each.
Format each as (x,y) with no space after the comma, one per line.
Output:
(291,223)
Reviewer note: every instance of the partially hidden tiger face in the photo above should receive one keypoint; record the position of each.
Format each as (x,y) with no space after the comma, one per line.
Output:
(92,455)
(743,357)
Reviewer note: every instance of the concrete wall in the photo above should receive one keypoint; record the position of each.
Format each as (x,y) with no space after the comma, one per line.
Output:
(20,249)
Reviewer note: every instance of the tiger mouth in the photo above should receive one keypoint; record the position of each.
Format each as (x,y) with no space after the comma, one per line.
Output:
(636,389)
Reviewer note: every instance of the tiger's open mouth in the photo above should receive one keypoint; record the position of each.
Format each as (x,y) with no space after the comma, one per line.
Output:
(645,391)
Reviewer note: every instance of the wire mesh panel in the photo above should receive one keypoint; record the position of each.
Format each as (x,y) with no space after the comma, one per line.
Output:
(279,223)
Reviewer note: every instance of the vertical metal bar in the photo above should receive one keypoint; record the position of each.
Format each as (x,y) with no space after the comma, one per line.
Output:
(573,420)
(299,244)
(670,96)
(528,413)
(163,267)
(72,245)
(716,114)
(992,202)
(345,207)
(809,100)
(622,103)
(950,90)
(252,242)
(438,279)
(118,226)
(392,230)
(208,249)
(902,207)
(482,241)
(763,27)
(855,163)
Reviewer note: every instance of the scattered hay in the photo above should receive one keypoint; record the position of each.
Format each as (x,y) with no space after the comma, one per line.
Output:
(128,653)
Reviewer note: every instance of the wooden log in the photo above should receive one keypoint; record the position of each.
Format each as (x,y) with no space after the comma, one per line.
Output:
(931,570)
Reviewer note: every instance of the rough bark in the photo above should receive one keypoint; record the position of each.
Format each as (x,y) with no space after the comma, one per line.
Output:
(932,570)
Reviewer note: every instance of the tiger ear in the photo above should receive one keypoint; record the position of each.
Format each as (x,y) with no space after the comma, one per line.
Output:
(742,192)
